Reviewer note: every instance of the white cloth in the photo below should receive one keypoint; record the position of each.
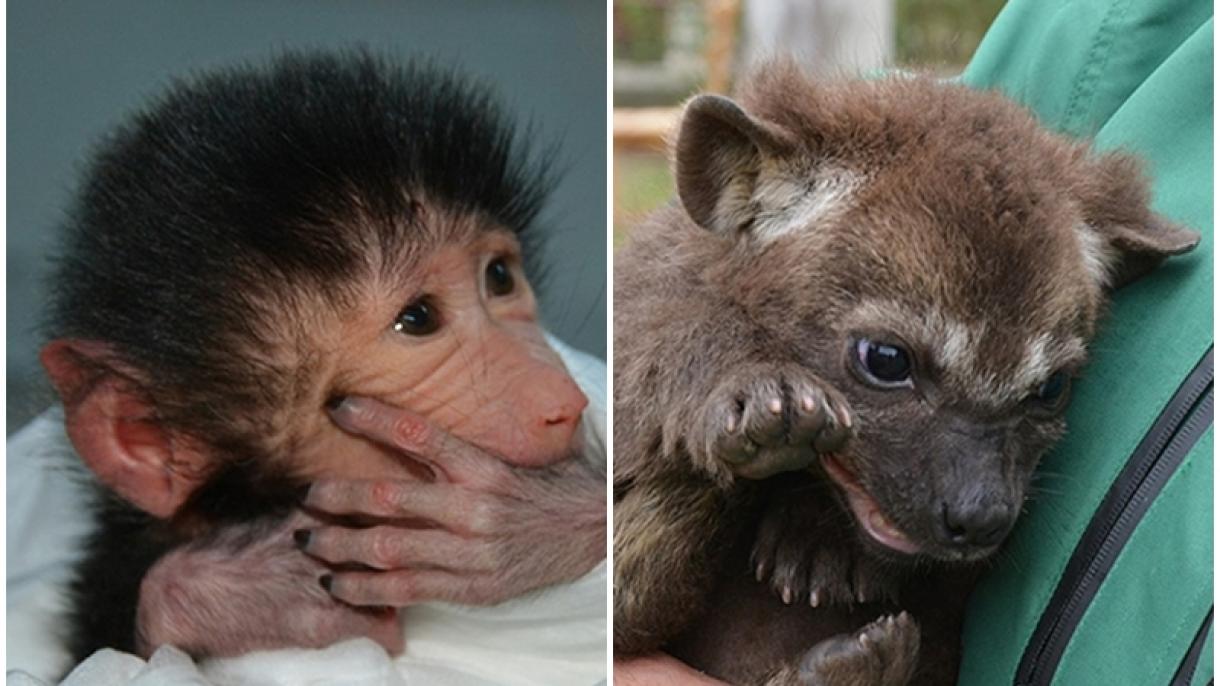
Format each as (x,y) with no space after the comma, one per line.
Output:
(552,636)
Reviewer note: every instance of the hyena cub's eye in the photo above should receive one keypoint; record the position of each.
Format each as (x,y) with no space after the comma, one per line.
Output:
(499,277)
(1054,389)
(885,365)
(418,318)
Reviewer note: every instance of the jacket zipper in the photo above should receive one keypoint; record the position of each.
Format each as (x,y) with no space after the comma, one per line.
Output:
(1186,671)
(1185,418)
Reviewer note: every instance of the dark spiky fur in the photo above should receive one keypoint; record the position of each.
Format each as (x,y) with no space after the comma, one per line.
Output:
(213,217)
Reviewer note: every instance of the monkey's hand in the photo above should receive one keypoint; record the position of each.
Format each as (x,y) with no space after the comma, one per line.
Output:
(493,531)
(800,551)
(250,589)
(763,419)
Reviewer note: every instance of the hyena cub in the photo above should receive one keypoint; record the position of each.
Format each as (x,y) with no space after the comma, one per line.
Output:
(837,362)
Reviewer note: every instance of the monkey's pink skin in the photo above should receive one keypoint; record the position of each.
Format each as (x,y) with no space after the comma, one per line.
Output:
(231,597)
(490,531)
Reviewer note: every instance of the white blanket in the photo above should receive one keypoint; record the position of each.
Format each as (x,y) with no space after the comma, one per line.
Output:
(553,636)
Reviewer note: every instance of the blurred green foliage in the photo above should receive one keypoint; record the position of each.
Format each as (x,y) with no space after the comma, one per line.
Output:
(639,30)
(937,34)
(942,33)
(642,184)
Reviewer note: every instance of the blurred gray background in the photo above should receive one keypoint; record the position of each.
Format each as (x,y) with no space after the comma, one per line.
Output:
(75,69)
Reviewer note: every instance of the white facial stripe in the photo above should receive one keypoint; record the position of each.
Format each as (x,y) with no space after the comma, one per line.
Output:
(1096,253)
(1043,355)
(952,341)
(955,344)
(1035,363)
(788,203)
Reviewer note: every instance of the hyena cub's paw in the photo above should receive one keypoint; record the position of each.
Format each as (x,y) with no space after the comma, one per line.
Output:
(883,653)
(764,419)
(798,553)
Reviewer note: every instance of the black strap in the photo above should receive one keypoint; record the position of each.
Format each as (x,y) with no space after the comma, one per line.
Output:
(1184,420)
(1186,670)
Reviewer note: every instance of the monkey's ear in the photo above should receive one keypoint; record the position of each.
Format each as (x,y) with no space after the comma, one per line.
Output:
(719,156)
(116,433)
(1123,239)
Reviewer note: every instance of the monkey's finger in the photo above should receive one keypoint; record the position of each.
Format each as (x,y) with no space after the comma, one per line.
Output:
(406,587)
(394,548)
(460,510)
(454,459)
(387,499)
(322,625)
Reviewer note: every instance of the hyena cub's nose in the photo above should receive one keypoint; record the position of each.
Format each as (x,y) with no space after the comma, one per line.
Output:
(975,524)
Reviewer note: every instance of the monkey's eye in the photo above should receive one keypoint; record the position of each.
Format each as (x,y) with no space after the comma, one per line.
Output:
(499,277)
(1054,389)
(418,318)
(884,365)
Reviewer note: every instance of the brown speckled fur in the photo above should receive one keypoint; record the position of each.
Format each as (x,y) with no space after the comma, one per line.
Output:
(961,206)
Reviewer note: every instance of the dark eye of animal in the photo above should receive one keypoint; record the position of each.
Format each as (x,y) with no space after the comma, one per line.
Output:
(884,365)
(419,318)
(499,277)
(1054,388)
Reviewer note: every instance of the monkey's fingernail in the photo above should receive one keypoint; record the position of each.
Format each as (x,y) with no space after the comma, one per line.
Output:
(760,572)
(787,595)
(301,537)
(775,405)
(335,401)
(326,581)
(860,596)
(815,598)
(731,425)
(807,403)
(864,640)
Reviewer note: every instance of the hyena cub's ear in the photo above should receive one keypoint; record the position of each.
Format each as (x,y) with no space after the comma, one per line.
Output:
(720,157)
(1123,239)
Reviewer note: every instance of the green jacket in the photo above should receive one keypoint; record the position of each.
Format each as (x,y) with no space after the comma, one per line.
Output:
(1128,606)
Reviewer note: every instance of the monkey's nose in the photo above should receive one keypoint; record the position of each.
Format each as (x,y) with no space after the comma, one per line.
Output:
(552,414)
(561,413)
(975,524)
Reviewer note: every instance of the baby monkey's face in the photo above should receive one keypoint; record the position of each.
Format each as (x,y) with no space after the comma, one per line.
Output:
(455,339)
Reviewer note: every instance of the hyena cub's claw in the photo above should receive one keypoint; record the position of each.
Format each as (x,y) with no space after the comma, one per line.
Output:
(797,553)
(765,419)
(883,653)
